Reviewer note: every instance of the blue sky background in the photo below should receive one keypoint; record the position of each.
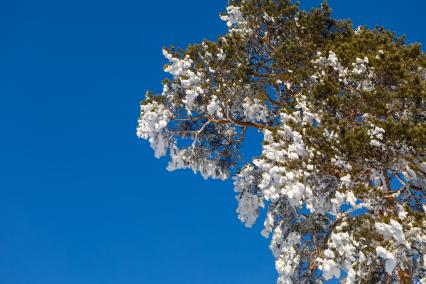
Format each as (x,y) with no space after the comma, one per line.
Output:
(82,200)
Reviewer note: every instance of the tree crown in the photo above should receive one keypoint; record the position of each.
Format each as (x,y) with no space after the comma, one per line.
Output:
(343,170)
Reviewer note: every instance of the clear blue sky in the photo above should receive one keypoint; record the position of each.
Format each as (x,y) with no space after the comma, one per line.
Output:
(82,200)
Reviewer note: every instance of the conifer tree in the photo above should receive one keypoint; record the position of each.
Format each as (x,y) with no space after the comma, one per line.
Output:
(342,111)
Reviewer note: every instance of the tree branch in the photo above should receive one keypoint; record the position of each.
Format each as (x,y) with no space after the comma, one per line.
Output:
(243,134)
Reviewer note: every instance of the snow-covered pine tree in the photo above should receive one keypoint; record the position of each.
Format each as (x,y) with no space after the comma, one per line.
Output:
(342,173)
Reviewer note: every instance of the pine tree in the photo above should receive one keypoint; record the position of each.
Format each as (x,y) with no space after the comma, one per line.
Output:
(342,174)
